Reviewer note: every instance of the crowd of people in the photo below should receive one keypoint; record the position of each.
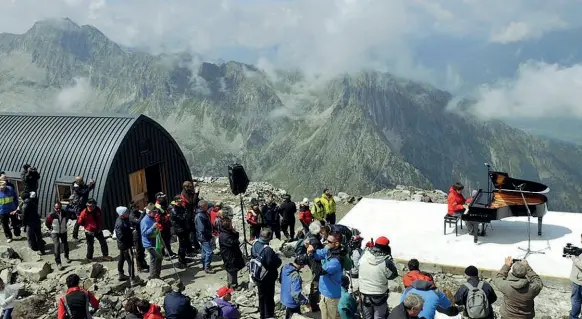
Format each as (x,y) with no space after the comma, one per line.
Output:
(335,254)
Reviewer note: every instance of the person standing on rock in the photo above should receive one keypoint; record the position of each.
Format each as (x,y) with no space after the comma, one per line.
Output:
(135,219)
(331,276)
(149,232)
(330,207)
(56,222)
(519,288)
(190,196)
(8,295)
(124,237)
(305,216)
(270,212)
(91,220)
(314,240)
(80,198)
(481,288)
(9,210)
(164,219)
(204,235)
(255,220)
(288,210)
(230,252)
(30,177)
(181,228)
(271,262)
(318,210)
(31,219)
(291,286)
(75,303)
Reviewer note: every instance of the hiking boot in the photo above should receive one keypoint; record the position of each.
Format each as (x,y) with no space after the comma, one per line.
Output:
(208,270)
(107,258)
(153,277)
(60,267)
(67,260)
(123,277)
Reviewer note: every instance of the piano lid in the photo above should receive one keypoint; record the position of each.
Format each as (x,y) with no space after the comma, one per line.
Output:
(502,181)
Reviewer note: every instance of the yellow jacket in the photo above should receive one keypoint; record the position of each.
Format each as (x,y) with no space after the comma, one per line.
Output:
(329,204)
(317,212)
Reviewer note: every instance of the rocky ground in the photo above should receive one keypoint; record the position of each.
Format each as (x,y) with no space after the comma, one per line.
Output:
(41,284)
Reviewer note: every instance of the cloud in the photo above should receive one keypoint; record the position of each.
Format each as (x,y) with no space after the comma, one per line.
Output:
(538,90)
(74,97)
(324,36)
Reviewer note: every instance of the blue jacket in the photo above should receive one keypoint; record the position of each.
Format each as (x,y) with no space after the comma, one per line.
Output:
(291,296)
(148,232)
(330,281)
(203,226)
(177,306)
(347,306)
(433,298)
(8,200)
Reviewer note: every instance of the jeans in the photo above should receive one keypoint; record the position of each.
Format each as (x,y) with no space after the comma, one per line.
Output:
(7,313)
(290,311)
(206,254)
(576,300)
(267,299)
(91,243)
(155,263)
(288,228)
(8,219)
(125,257)
(59,239)
(330,219)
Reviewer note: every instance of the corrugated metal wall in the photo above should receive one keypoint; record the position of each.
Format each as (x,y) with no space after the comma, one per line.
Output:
(62,145)
(163,149)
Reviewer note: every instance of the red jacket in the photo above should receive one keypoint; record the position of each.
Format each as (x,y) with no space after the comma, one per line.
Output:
(91,221)
(162,217)
(252,218)
(456,201)
(411,276)
(306,217)
(62,311)
(153,313)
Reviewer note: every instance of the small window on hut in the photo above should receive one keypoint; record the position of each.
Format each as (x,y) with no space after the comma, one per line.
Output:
(144,145)
(63,193)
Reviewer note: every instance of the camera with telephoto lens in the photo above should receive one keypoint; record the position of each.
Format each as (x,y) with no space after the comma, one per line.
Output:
(571,251)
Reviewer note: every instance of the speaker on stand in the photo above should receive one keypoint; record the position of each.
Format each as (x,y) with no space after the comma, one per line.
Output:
(239,181)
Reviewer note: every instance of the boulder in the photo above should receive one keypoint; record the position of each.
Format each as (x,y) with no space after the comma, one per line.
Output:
(27,254)
(34,271)
(157,287)
(6,275)
(33,307)
(343,196)
(94,270)
(6,252)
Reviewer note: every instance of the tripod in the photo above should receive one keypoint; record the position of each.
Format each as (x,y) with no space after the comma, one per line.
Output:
(528,251)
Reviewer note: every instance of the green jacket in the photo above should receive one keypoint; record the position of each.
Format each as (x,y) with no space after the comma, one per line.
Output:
(318,213)
(347,306)
(329,204)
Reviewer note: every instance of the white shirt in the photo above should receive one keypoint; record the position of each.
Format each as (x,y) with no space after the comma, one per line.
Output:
(7,297)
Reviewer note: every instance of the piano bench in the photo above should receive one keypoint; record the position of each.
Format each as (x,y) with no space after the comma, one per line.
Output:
(452,220)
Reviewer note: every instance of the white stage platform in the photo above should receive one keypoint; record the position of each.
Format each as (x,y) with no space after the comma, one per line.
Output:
(415,230)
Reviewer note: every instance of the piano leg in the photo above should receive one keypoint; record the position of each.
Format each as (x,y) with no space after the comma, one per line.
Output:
(540,226)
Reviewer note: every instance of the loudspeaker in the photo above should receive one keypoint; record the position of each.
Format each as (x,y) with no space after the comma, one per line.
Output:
(238,179)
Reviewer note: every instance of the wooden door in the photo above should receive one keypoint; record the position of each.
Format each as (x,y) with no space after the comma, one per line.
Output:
(139,191)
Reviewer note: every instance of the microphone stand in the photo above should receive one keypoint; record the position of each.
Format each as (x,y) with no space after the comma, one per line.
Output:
(528,251)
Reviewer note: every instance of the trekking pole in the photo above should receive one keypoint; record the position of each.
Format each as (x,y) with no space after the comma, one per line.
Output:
(171,259)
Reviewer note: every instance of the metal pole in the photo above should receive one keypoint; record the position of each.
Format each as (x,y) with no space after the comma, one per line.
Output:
(242,213)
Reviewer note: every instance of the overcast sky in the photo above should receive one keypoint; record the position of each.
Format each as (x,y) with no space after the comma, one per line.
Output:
(331,36)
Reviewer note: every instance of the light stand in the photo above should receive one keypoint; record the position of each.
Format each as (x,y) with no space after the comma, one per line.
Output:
(528,251)
(242,212)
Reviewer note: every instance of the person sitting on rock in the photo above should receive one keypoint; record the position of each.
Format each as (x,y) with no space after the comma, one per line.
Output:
(124,237)
(271,262)
(376,269)
(181,229)
(149,233)
(230,252)
(226,309)
(409,308)
(91,220)
(291,286)
(56,222)
(481,289)
(348,306)
(434,299)
(75,303)
(177,305)
(8,294)
(135,218)
(414,273)
(305,216)
(151,310)
(330,279)
(255,221)
(519,288)
(31,220)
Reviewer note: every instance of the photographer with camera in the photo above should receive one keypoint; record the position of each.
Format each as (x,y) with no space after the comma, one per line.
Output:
(519,287)
(576,277)
(30,177)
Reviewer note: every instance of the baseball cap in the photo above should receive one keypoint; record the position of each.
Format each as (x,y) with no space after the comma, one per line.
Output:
(223,291)
(382,241)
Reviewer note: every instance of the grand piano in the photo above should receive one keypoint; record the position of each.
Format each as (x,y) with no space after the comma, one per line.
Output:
(503,198)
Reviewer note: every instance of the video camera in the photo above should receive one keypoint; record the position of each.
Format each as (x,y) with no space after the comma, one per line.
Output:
(571,251)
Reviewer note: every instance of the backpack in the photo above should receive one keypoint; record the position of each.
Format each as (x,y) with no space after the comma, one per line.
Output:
(212,310)
(477,305)
(256,268)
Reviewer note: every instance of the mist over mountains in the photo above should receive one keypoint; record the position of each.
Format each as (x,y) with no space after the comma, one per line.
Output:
(357,132)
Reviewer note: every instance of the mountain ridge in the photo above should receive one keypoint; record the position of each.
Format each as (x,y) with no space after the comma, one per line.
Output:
(357,133)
